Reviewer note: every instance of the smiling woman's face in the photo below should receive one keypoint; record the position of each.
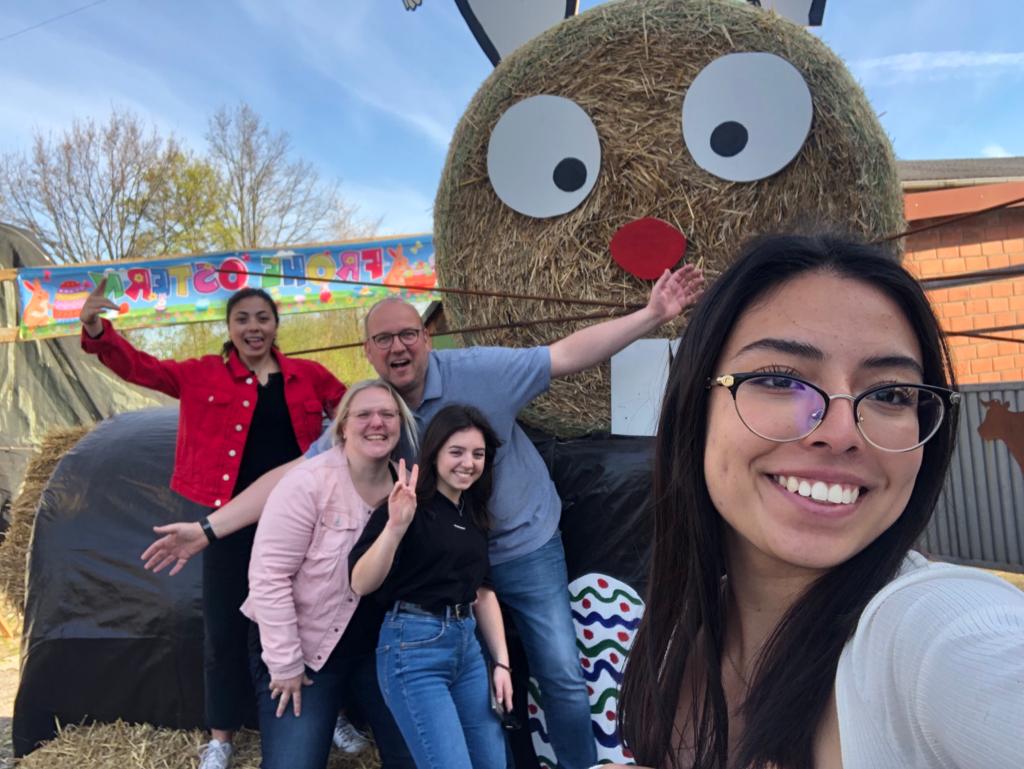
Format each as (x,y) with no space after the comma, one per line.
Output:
(844,336)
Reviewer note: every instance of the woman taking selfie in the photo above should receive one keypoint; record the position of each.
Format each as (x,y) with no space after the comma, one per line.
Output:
(424,552)
(243,412)
(805,434)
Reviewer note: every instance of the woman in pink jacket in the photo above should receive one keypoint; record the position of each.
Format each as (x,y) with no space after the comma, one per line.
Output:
(316,639)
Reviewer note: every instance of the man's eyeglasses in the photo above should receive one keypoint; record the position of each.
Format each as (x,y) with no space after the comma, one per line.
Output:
(891,417)
(406,336)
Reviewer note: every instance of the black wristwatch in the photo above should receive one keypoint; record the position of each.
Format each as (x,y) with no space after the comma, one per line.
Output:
(204,524)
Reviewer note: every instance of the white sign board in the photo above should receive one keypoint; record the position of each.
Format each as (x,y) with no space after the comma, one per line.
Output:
(639,375)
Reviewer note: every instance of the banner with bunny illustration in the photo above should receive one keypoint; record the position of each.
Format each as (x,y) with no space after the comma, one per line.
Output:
(193,289)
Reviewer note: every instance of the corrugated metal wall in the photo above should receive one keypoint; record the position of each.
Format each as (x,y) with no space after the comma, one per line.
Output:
(980,516)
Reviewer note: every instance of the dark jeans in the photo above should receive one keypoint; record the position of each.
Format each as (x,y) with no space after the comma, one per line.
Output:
(305,742)
(230,699)
(534,590)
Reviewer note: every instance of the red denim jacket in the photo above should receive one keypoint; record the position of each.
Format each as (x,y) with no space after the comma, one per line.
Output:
(217,402)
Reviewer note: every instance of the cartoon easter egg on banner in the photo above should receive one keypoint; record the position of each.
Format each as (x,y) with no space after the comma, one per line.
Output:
(610,145)
(606,613)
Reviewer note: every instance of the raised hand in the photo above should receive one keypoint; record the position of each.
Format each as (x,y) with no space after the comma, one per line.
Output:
(675,291)
(402,499)
(96,303)
(180,541)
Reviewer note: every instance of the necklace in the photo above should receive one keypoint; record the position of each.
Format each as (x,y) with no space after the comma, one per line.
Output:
(737,671)
(459,507)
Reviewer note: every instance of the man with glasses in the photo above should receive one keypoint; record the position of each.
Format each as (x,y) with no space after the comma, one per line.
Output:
(527,561)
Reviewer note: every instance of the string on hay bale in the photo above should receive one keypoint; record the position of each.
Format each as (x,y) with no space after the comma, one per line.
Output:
(118,745)
(14,550)
(628,65)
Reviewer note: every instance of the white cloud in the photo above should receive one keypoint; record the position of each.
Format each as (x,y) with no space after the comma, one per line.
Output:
(939,65)
(383,62)
(995,151)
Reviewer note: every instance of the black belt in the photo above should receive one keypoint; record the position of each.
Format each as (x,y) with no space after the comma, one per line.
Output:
(455,610)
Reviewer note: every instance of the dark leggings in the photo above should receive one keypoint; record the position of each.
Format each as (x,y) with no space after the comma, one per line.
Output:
(230,699)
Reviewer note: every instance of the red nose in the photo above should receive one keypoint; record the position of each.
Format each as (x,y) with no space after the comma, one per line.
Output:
(647,247)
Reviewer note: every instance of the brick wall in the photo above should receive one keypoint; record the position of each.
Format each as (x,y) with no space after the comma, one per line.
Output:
(984,242)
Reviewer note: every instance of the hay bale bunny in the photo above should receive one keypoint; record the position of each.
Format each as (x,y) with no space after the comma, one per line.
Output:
(605,144)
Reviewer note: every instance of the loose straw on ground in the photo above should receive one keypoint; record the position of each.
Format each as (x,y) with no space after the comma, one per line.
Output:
(141,746)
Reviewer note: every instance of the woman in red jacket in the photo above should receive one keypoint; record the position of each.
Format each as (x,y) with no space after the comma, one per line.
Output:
(243,412)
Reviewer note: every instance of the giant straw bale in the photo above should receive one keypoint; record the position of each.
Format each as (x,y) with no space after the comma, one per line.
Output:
(14,550)
(628,65)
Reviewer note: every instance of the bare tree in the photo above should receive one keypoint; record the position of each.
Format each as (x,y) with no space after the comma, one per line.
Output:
(119,190)
(271,198)
(347,224)
(86,194)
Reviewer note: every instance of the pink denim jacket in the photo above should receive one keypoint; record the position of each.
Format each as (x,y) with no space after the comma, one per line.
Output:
(299,592)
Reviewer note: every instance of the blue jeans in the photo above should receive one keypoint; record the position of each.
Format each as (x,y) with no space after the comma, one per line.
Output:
(305,742)
(535,589)
(435,681)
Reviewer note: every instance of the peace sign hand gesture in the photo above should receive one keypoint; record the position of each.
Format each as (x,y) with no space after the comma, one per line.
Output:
(94,305)
(402,500)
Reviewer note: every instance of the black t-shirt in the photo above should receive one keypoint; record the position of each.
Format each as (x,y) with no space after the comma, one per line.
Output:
(271,440)
(441,560)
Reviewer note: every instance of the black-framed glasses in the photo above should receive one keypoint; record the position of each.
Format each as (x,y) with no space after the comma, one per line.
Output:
(783,408)
(406,336)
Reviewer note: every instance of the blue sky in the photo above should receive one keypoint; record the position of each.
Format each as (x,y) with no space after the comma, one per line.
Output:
(370,93)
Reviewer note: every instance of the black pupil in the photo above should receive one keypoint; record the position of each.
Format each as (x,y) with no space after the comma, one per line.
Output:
(728,139)
(570,174)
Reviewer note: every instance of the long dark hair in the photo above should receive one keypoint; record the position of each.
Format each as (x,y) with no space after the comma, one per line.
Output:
(685,616)
(238,296)
(447,421)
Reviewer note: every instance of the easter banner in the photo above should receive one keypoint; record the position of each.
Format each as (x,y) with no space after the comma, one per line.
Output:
(192,289)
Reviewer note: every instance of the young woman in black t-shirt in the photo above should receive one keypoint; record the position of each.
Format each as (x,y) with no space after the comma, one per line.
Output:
(425,555)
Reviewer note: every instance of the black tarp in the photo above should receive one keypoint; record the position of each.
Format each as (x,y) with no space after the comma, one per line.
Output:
(49,383)
(105,639)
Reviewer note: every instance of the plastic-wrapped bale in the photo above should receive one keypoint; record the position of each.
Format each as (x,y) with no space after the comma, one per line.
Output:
(14,549)
(103,638)
(628,66)
(607,529)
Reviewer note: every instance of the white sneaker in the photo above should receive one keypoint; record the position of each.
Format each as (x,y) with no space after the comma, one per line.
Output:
(347,737)
(216,755)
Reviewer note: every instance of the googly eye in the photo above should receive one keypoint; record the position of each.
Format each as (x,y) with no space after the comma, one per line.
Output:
(746,116)
(544,156)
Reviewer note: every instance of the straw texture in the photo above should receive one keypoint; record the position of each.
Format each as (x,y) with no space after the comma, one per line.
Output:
(628,64)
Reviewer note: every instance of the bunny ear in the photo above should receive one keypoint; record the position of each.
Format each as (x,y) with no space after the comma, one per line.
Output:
(501,26)
(808,13)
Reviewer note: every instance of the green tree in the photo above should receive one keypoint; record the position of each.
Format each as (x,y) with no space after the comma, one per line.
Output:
(185,214)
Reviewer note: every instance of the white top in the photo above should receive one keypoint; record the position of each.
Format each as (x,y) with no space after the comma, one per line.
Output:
(934,674)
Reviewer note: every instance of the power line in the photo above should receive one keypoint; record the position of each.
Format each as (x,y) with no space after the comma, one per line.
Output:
(946,222)
(52,19)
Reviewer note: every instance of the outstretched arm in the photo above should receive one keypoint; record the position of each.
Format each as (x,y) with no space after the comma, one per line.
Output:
(180,541)
(673,293)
